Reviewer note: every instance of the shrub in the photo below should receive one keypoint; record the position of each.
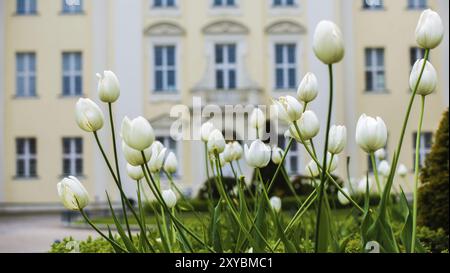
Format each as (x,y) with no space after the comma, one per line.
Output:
(434,192)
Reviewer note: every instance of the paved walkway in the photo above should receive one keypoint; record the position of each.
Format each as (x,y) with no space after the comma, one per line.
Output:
(35,233)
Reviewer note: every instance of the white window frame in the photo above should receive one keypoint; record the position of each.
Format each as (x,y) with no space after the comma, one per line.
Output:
(284,39)
(283,9)
(72,156)
(72,73)
(423,150)
(26,74)
(226,66)
(76,7)
(374,68)
(175,95)
(415,4)
(27,156)
(285,66)
(372,5)
(164,11)
(225,9)
(27,10)
(164,68)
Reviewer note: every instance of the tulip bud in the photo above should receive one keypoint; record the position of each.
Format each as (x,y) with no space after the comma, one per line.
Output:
(137,133)
(135,172)
(309,125)
(341,197)
(371,133)
(171,163)
(216,142)
(133,156)
(289,109)
(88,115)
(428,81)
(308,89)
(275,203)
(384,168)
(402,170)
(327,42)
(312,169)
(206,130)
(157,158)
(169,198)
(258,155)
(257,119)
(337,138)
(380,154)
(237,150)
(108,87)
(228,153)
(72,193)
(277,155)
(429,30)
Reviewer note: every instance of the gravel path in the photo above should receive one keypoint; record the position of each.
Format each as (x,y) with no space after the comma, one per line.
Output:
(35,233)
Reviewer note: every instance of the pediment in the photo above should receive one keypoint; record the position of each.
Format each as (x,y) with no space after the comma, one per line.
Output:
(285,27)
(225,27)
(164,29)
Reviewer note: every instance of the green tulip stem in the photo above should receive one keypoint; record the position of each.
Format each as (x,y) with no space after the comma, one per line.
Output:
(416,176)
(375,172)
(113,134)
(281,164)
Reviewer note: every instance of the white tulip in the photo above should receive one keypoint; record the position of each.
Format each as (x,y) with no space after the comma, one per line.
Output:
(308,89)
(228,153)
(72,193)
(428,81)
(312,169)
(402,170)
(327,42)
(135,172)
(380,154)
(309,125)
(289,108)
(277,155)
(216,142)
(371,133)
(157,158)
(275,203)
(206,130)
(171,163)
(237,150)
(88,115)
(337,138)
(137,133)
(133,156)
(384,168)
(341,197)
(429,30)
(108,87)
(258,155)
(257,119)
(169,198)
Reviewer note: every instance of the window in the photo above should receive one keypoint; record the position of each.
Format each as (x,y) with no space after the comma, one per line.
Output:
(292,160)
(26,164)
(225,66)
(165,68)
(24,7)
(373,4)
(72,6)
(72,156)
(417,4)
(375,78)
(171,146)
(72,79)
(426,141)
(283,3)
(416,53)
(285,66)
(224,3)
(25,74)
(164,3)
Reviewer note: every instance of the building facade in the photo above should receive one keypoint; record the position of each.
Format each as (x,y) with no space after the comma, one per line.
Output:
(178,52)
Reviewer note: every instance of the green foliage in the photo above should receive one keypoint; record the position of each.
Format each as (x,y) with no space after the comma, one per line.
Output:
(90,245)
(435,241)
(434,193)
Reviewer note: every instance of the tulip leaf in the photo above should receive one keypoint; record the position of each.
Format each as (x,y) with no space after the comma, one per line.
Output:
(407,229)
(215,229)
(128,243)
(116,249)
